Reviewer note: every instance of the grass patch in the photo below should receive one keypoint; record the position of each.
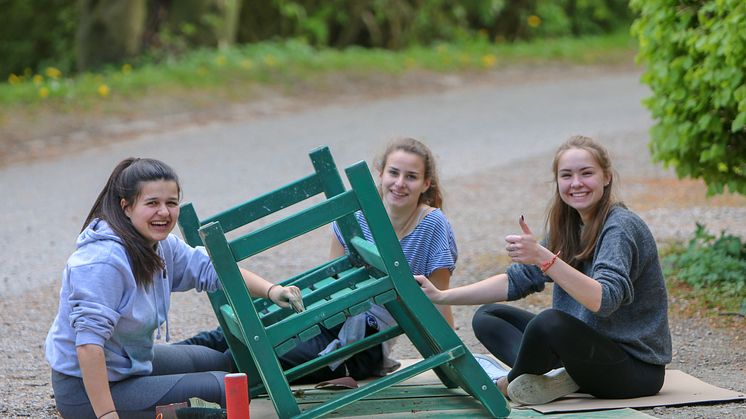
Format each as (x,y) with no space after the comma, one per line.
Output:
(707,276)
(230,73)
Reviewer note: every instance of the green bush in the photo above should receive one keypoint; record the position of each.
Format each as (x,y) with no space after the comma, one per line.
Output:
(695,58)
(715,264)
(35,35)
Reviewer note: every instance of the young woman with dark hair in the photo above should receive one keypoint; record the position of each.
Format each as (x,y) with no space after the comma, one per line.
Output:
(115,296)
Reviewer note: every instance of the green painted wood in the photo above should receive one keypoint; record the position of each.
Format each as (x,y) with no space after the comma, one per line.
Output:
(231,322)
(286,346)
(326,169)
(431,331)
(359,308)
(309,278)
(336,287)
(334,320)
(189,224)
(286,328)
(309,333)
(267,204)
(384,298)
(293,226)
(331,291)
(353,348)
(423,406)
(383,382)
(260,346)
(399,391)
(369,252)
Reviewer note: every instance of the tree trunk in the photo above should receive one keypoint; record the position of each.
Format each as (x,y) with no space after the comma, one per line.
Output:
(109,31)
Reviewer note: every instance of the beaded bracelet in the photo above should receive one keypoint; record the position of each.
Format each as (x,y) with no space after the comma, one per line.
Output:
(270,289)
(548,264)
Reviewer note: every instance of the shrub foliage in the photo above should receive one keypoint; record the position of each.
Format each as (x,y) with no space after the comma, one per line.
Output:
(715,264)
(695,57)
(32,36)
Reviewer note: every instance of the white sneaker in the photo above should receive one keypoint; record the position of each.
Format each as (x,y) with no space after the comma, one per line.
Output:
(540,389)
(490,365)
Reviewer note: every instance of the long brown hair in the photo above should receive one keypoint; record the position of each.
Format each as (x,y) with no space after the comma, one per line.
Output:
(567,234)
(433,196)
(125,182)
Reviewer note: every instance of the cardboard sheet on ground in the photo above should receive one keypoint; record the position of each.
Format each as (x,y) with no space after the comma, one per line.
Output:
(679,388)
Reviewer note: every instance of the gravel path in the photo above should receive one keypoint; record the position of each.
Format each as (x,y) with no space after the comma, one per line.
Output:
(483,199)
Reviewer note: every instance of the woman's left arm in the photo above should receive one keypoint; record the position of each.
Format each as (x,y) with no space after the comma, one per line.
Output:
(581,287)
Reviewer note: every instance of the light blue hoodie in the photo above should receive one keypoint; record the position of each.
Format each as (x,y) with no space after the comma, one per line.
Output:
(101,304)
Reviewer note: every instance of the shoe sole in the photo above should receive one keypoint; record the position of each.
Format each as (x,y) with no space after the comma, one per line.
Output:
(530,389)
(493,368)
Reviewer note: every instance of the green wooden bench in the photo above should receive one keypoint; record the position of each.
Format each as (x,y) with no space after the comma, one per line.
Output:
(258,331)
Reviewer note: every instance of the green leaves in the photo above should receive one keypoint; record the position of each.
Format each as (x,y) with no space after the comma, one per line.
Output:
(695,58)
(716,264)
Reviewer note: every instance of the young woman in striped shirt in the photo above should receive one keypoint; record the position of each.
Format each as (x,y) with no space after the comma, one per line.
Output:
(410,189)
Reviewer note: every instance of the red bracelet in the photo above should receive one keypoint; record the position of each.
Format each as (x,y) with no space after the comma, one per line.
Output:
(548,264)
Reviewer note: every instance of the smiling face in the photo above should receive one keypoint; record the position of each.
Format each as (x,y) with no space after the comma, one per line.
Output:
(403,180)
(155,210)
(581,181)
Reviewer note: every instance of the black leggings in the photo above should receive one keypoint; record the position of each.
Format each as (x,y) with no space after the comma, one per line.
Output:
(536,344)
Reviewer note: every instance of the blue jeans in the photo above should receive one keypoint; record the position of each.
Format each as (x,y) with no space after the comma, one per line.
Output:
(179,372)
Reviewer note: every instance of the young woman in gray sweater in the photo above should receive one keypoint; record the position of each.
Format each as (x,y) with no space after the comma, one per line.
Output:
(607,331)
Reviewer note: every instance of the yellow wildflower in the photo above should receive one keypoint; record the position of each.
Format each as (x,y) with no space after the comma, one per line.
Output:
(13,79)
(126,68)
(247,64)
(220,60)
(103,90)
(410,63)
(38,79)
(489,60)
(533,21)
(53,73)
(270,60)
(43,92)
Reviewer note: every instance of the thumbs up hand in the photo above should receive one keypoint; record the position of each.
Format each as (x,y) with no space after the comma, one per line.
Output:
(524,226)
(523,248)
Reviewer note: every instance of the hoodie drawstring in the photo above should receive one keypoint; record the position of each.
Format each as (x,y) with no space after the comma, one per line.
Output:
(165,289)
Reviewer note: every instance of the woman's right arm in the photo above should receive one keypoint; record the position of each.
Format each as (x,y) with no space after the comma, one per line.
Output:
(96,380)
(490,290)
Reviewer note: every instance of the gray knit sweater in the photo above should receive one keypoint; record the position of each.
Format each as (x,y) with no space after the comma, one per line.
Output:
(634,302)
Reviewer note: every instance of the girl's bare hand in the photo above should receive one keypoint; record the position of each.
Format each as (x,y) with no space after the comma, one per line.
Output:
(288,297)
(430,290)
(523,248)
